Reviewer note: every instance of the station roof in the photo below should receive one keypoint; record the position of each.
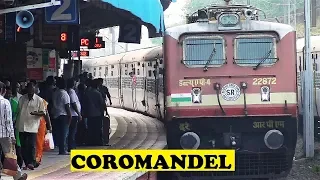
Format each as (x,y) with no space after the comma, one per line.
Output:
(98,14)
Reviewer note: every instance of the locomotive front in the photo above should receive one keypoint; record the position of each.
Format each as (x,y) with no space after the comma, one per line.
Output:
(230,82)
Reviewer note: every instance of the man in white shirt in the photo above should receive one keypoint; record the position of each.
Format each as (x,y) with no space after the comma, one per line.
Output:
(30,108)
(62,114)
(7,138)
(75,113)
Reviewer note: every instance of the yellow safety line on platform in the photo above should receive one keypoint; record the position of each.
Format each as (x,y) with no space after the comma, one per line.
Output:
(60,165)
(50,169)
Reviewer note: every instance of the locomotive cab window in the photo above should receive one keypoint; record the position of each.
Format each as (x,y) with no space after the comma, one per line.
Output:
(199,51)
(255,51)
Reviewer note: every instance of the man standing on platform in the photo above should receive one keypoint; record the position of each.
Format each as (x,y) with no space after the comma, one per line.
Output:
(75,112)
(94,107)
(104,91)
(30,109)
(62,114)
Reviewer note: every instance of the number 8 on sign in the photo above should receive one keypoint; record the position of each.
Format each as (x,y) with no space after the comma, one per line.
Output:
(63,37)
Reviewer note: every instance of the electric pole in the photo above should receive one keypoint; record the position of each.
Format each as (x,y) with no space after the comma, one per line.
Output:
(308,114)
(295,14)
(289,11)
(314,13)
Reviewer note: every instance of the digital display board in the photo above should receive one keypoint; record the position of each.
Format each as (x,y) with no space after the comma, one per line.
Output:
(90,42)
(84,53)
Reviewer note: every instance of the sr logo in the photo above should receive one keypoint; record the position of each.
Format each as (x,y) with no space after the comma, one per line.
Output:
(230,92)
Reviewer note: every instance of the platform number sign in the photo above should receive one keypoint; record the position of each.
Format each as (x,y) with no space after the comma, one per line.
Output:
(66,13)
(130,32)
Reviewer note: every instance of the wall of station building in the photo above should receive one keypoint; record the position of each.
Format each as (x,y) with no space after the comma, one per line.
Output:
(20,62)
(12,61)
(41,63)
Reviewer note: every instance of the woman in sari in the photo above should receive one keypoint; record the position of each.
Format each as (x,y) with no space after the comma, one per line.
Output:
(45,125)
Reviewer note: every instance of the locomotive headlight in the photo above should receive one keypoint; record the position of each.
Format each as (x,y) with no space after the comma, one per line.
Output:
(243,85)
(265,93)
(273,139)
(216,86)
(196,95)
(190,140)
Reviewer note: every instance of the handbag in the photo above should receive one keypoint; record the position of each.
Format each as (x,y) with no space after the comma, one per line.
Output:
(48,142)
(10,165)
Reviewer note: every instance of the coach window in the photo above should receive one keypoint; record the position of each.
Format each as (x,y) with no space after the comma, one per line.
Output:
(254,50)
(160,70)
(199,51)
(106,71)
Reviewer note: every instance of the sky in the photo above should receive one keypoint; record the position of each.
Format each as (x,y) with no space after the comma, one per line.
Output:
(175,13)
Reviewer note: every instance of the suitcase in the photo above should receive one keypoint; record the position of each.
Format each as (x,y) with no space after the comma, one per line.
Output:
(106,129)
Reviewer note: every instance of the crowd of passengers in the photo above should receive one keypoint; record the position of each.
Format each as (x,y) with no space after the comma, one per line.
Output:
(71,110)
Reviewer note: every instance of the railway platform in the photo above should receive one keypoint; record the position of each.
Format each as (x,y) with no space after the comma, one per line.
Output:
(130,130)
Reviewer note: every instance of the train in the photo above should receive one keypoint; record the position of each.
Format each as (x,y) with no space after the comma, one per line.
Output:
(223,80)
(301,66)
(134,79)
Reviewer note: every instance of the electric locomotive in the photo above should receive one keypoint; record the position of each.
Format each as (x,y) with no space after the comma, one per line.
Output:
(230,83)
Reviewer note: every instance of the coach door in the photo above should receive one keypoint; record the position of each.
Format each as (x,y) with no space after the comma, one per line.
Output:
(145,87)
(120,88)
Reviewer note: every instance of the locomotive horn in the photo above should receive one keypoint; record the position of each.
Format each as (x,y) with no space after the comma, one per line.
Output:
(24,19)
(248,13)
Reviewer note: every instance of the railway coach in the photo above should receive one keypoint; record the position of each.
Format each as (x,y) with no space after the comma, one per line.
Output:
(301,66)
(134,79)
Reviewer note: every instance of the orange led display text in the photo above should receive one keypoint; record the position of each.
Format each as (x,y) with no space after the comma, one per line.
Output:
(63,37)
(84,42)
(84,53)
(89,42)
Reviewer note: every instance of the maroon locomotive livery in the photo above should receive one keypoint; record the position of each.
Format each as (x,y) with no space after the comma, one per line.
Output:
(230,82)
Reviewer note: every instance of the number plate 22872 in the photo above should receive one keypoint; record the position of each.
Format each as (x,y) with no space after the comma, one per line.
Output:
(264,81)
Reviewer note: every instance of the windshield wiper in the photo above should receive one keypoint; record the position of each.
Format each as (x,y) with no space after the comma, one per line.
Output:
(205,68)
(262,60)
